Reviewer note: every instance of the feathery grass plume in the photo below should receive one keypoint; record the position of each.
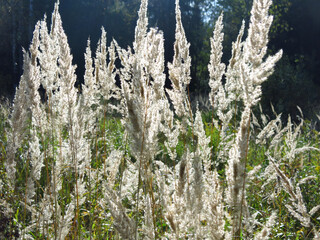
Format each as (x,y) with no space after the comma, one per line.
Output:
(143,94)
(283,146)
(137,86)
(203,149)
(211,197)
(48,59)
(113,198)
(34,82)
(142,104)
(100,63)
(141,27)
(186,192)
(27,96)
(286,153)
(240,69)
(70,109)
(268,131)
(142,81)
(148,227)
(90,84)
(179,72)
(37,113)
(257,40)
(32,73)
(233,86)
(177,207)
(172,187)
(236,171)
(98,89)
(18,125)
(215,203)
(222,97)
(90,92)
(216,67)
(264,234)
(90,103)
(191,194)
(65,220)
(105,73)
(111,166)
(124,225)
(43,44)
(129,182)
(253,70)
(67,93)
(30,121)
(297,207)
(201,155)
(225,95)
(292,142)
(68,149)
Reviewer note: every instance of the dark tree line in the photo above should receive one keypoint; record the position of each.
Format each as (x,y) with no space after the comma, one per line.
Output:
(296,30)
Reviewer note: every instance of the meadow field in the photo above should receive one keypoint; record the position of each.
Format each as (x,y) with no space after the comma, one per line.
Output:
(122,157)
